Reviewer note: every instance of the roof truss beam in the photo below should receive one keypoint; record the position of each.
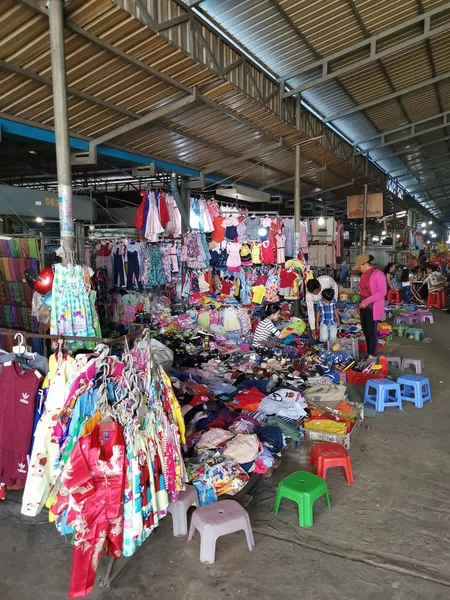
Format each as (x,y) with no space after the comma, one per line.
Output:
(414,149)
(387,97)
(220,164)
(410,130)
(321,71)
(153,115)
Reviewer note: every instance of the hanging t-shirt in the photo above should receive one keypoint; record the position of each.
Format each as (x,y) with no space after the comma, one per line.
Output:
(259,291)
(268,250)
(287,278)
(18,388)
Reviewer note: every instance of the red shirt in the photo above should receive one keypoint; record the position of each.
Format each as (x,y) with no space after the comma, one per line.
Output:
(18,387)
(364,284)
(287,278)
(268,250)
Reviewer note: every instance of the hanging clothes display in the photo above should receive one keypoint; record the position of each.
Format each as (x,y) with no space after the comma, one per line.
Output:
(107,456)
(73,304)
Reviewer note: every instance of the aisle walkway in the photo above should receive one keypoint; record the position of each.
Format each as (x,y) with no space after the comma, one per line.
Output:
(387,536)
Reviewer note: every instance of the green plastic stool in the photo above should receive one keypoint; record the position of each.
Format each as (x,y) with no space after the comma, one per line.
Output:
(304,488)
(415,333)
(400,329)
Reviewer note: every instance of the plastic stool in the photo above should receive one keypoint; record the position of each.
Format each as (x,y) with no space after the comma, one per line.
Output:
(403,318)
(179,508)
(409,361)
(378,392)
(415,318)
(415,388)
(328,454)
(395,360)
(400,329)
(426,315)
(218,519)
(394,297)
(304,488)
(415,333)
(436,299)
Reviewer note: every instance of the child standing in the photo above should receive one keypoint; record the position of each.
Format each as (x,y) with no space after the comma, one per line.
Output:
(327,316)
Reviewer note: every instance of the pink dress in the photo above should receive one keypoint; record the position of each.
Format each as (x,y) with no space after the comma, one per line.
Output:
(281,245)
(234,256)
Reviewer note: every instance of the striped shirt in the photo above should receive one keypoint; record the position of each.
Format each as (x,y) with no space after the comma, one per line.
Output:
(325,283)
(263,331)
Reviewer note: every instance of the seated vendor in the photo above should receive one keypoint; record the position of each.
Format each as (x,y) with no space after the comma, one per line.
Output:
(266,331)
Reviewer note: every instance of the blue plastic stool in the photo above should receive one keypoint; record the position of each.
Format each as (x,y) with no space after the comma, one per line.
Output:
(414,388)
(382,393)
(415,333)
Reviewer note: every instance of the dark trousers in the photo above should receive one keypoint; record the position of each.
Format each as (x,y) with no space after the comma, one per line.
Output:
(369,327)
(118,270)
(133,269)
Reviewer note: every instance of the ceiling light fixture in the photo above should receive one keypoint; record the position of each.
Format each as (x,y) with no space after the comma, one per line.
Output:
(39,220)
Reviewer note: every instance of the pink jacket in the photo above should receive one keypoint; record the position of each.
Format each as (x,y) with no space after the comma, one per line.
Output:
(378,288)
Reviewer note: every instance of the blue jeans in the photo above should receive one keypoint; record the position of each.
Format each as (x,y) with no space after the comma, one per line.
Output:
(328,333)
(406,293)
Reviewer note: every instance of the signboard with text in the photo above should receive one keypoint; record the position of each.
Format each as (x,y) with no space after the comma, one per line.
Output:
(37,203)
(355,206)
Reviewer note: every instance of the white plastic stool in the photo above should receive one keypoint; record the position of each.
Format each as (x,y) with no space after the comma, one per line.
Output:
(395,360)
(214,520)
(179,508)
(410,361)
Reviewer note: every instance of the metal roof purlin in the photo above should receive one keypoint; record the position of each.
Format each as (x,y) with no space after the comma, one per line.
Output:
(387,97)
(371,44)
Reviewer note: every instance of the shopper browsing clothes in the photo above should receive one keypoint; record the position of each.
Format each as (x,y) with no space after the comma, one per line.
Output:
(314,289)
(372,291)
(327,316)
(266,331)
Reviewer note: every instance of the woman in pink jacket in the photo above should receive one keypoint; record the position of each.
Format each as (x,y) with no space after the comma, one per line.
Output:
(372,290)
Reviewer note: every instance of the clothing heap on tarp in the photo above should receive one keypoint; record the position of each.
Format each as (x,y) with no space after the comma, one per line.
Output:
(106,455)
(16,256)
(134,263)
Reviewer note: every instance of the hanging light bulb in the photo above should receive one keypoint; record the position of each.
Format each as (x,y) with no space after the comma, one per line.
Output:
(430,222)
(433,235)
(321,221)
(424,232)
(262,232)
(383,232)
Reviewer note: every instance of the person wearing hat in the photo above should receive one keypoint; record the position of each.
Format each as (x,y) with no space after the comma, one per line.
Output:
(372,291)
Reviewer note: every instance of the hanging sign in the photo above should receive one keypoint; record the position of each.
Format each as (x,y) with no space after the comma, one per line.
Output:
(355,206)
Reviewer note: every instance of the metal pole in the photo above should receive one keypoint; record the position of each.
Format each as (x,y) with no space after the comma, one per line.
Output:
(42,249)
(394,230)
(297,200)
(57,45)
(364,232)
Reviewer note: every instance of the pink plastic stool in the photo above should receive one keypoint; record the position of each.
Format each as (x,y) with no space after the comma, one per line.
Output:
(179,508)
(214,520)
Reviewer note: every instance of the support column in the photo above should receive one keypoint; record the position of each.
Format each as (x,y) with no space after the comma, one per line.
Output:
(394,231)
(57,45)
(364,232)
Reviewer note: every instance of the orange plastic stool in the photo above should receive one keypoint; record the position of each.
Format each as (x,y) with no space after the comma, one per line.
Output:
(328,454)
(436,299)
(394,297)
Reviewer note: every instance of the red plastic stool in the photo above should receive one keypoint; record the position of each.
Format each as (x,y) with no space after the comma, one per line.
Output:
(328,454)
(436,299)
(394,297)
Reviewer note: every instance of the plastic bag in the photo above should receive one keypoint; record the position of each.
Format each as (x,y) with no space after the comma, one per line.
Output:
(162,354)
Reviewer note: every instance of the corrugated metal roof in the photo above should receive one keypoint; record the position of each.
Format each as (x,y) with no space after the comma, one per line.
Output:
(106,91)
(323,27)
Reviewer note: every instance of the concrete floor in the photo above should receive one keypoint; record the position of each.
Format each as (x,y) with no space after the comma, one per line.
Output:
(387,536)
